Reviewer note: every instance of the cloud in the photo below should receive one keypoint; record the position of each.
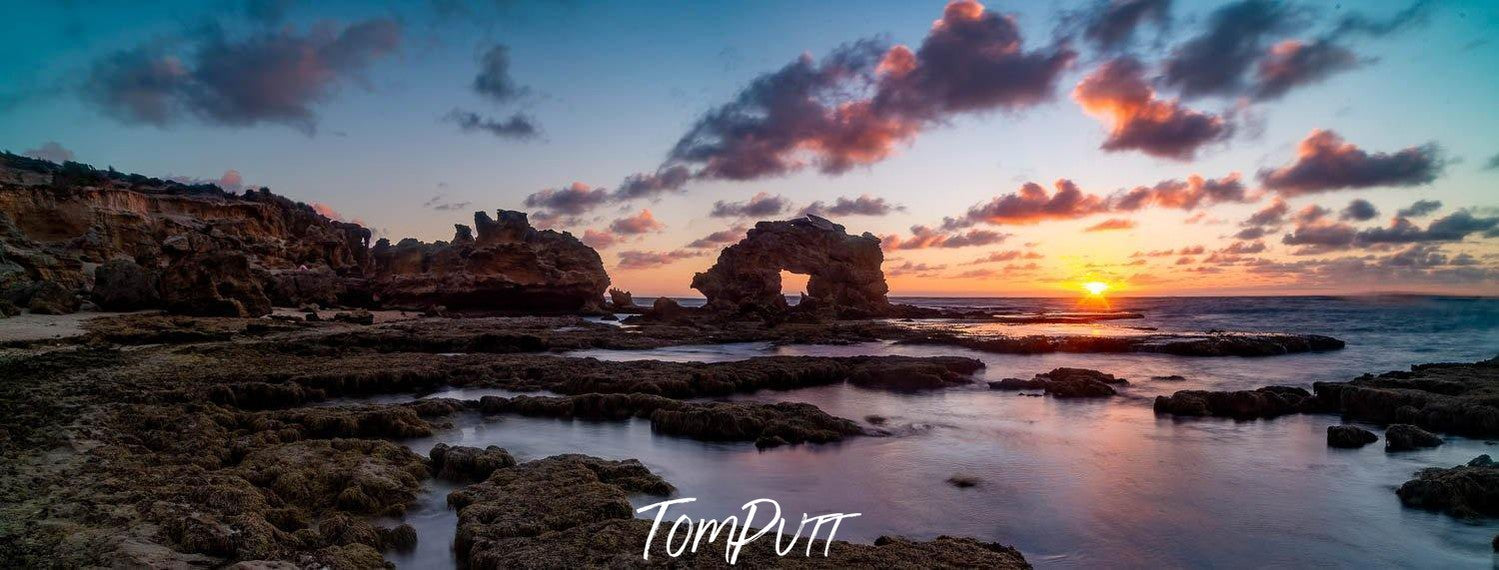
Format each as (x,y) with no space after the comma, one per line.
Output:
(1325,163)
(923,237)
(1492,163)
(864,205)
(1030,205)
(651,259)
(438,203)
(572,200)
(1359,210)
(917,269)
(230,181)
(327,211)
(858,103)
(599,239)
(1111,24)
(267,12)
(274,76)
(1244,248)
(519,126)
(1111,224)
(641,223)
(1292,63)
(1185,195)
(669,179)
(494,81)
(1215,61)
(51,151)
(1001,256)
(719,238)
(1272,214)
(1118,93)
(1419,208)
(761,205)
(1453,227)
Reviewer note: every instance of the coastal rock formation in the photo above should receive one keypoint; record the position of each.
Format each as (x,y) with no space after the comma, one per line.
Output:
(845,279)
(1066,383)
(621,300)
(1453,398)
(1406,437)
(51,298)
(508,266)
(123,285)
(1349,437)
(574,511)
(464,463)
(1465,491)
(58,221)
(1267,402)
(766,424)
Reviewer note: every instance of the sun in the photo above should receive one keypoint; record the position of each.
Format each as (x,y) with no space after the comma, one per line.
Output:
(1096,288)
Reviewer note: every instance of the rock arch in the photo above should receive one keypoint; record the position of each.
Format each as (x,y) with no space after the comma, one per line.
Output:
(844,270)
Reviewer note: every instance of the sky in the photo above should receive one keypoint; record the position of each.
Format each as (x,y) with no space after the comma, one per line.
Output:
(1166,147)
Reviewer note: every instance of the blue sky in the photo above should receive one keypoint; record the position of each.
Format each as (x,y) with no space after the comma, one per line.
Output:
(613,86)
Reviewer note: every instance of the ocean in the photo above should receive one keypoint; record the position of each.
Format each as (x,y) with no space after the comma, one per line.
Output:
(1077,483)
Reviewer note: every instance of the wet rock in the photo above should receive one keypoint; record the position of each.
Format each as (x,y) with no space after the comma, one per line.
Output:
(917,376)
(357,317)
(767,424)
(573,511)
(1454,398)
(844,272)
(401,538)
(1406,437)
(370,477)
(212,284)
(463,463)
(1267,402)
(1065,383)
(1465,491)
(123,285)
(51,298)
(1170,378)
(962,481)
(1349,437)
(666,309)
(509,266)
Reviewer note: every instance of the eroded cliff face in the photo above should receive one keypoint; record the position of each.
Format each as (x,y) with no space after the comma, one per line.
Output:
(508,266)
(212,252)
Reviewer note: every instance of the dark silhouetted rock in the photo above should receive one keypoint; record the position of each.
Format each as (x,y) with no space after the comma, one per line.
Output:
(1454,398)
(509,266)
(51,298)
(1349,437)
(766,424)
(8,309)
(357,317)
(400,538)
(918,375)
(1406,437)
(1170,378)
(621,299)
(844,272)
(318,285)
(463,463)
(1216,344)
(962,481)
(1267,402)
(123,285)
(213,284)
(1465,491)
(1065,383)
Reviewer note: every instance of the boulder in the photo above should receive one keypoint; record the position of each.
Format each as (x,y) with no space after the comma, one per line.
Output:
(123,285)
(1349,437)
(51,298)
(463,463)
(509,266)
(621,299)
(1406,437)
(1465,491)
(1267,402)
(213,284)
(1446,397)
(844,272)
(8,309)
(318,285)
(1065,383)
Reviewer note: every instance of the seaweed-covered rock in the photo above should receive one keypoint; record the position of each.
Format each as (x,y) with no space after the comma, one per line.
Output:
(208,283)
(1065,383)
(1349,437)
(1406,437)
(918,375)
(1267,402)
(765,424)
(463,463)
(1464,491)
(1461,398)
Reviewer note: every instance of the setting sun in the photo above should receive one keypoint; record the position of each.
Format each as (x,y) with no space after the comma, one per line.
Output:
(1096,288)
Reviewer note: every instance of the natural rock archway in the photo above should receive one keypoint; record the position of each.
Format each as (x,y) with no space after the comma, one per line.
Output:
(844,270)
